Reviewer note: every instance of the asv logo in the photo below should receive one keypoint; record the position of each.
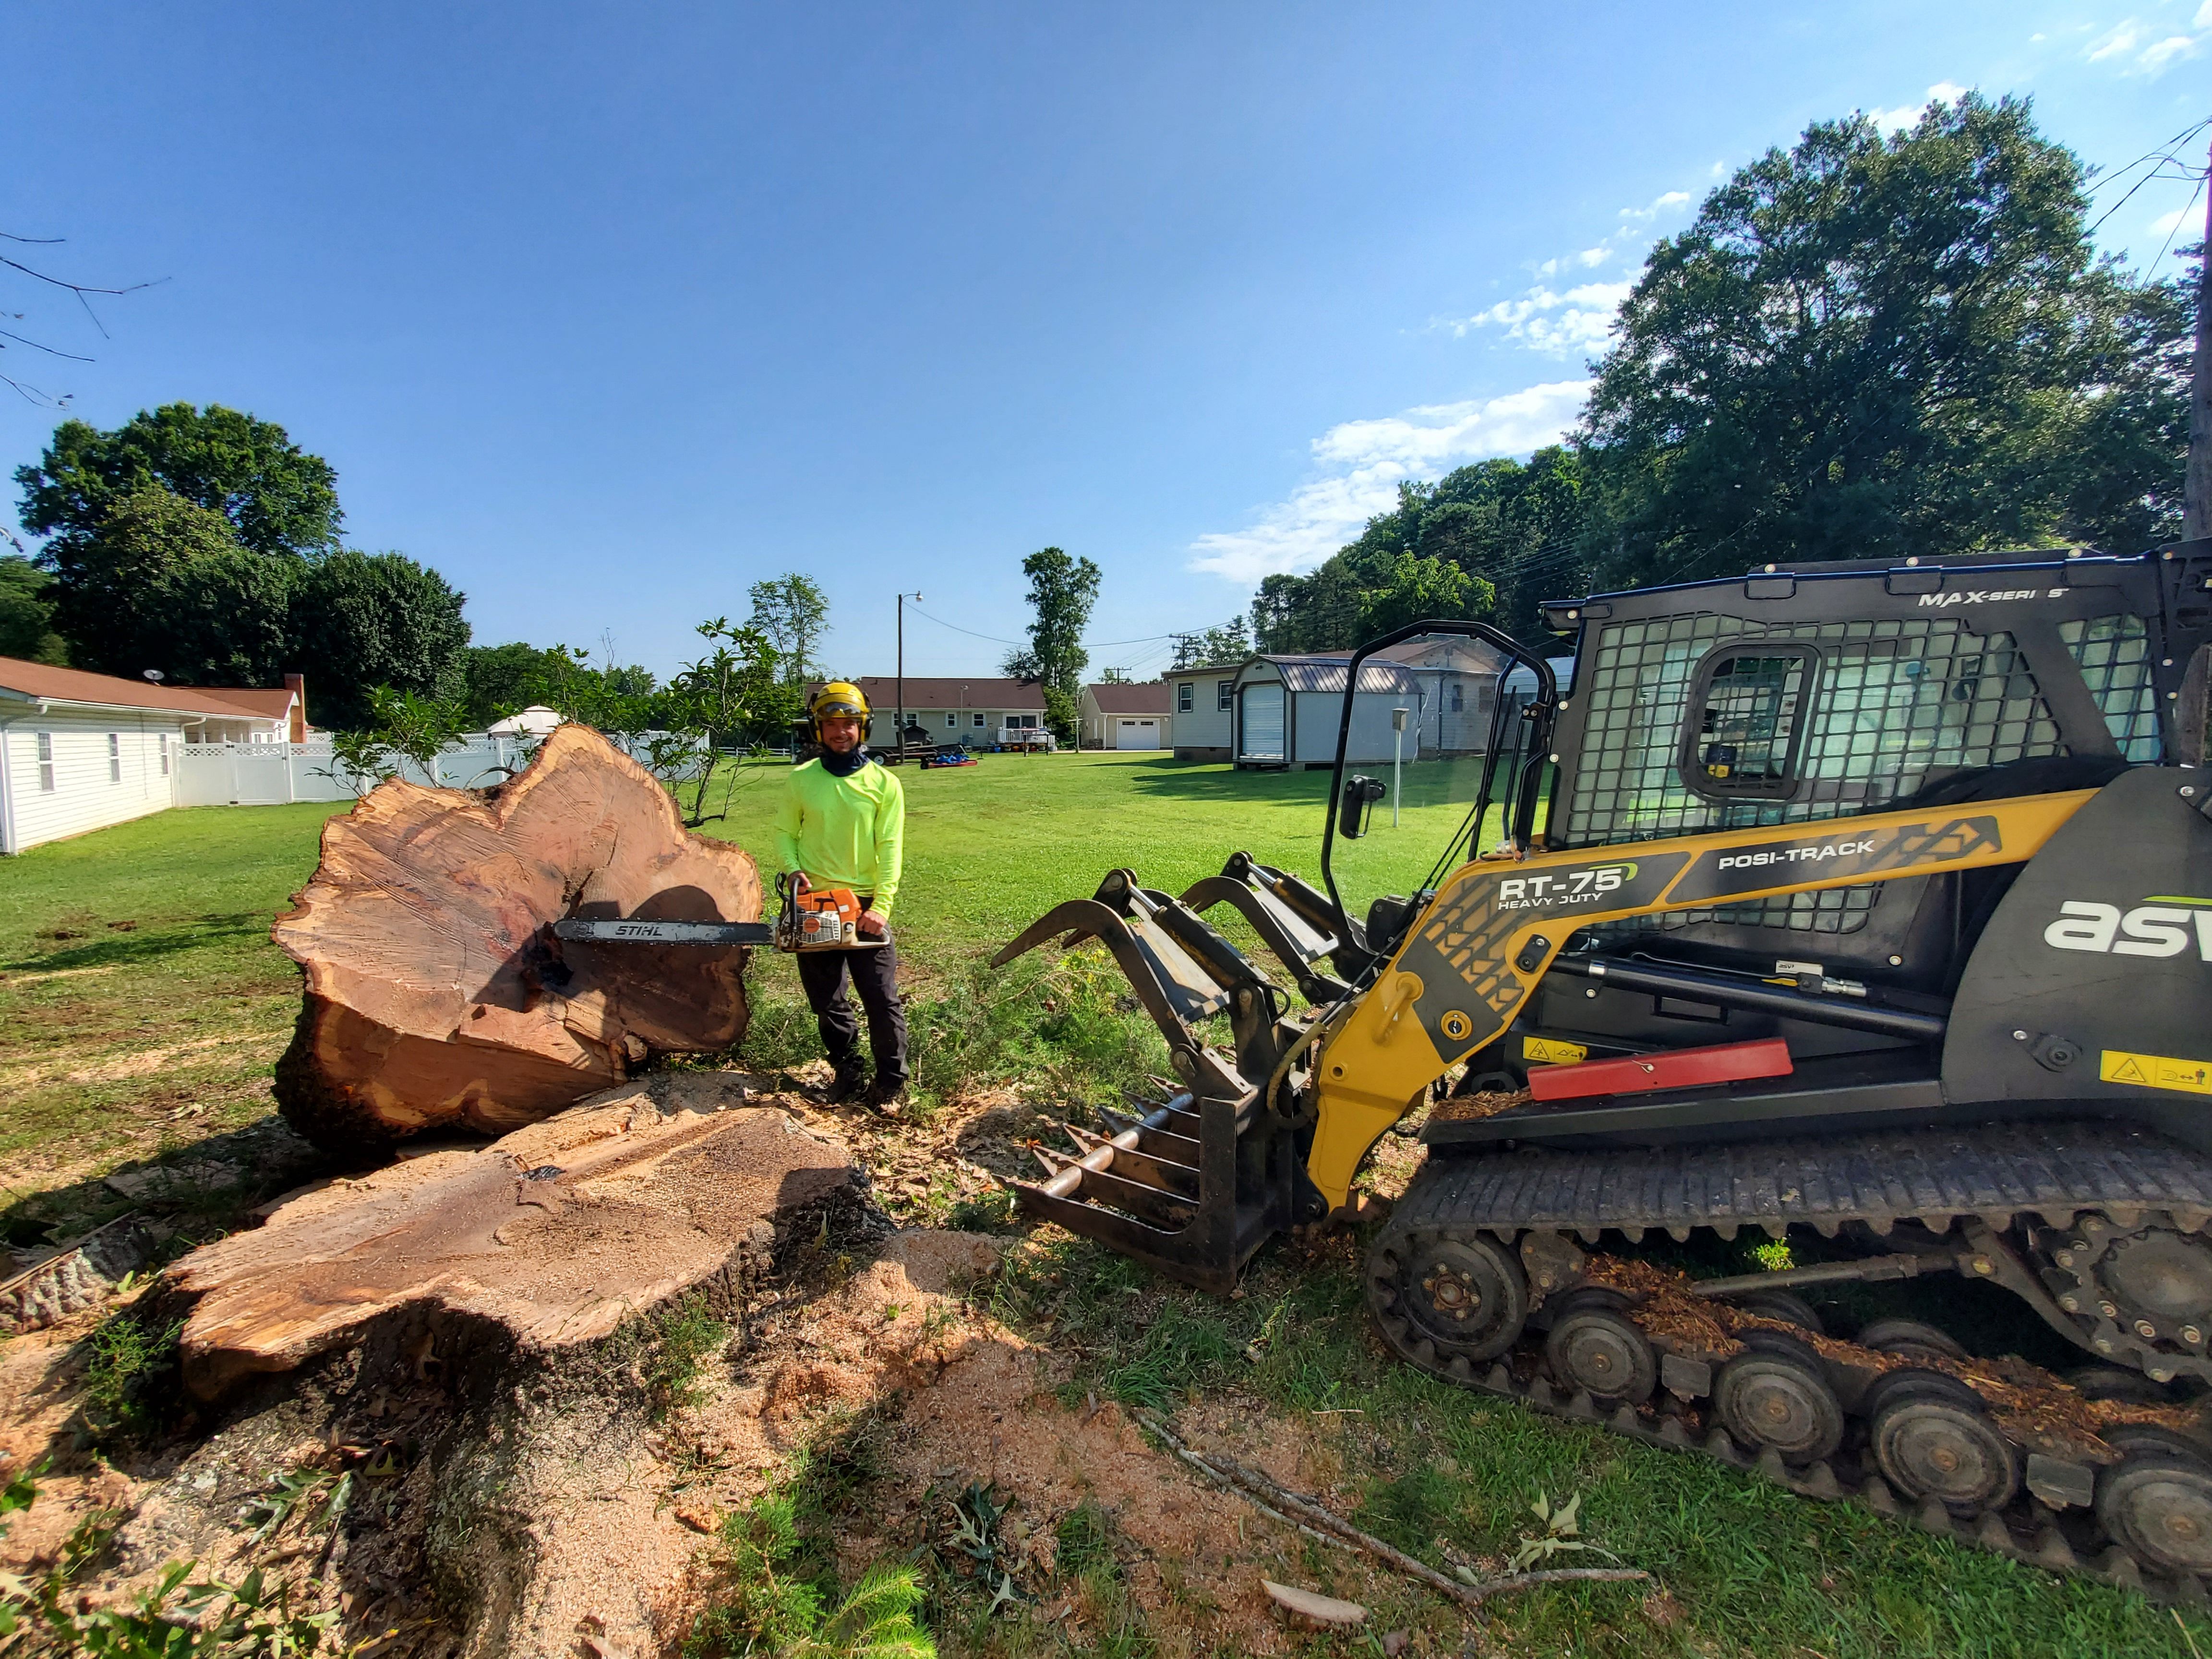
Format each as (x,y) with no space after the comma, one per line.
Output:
(2148,930)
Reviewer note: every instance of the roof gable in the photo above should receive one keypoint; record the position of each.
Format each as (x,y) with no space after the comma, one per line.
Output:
(948,691)
(1149,698)
(43,682)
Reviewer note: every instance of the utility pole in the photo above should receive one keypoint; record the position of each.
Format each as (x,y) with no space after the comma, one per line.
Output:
(2197,482)
(902,598)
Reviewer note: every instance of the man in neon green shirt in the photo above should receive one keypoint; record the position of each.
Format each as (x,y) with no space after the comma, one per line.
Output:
(841,824)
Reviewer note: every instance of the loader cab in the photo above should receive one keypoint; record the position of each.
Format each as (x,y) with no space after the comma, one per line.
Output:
(1442,756)
(1824,691)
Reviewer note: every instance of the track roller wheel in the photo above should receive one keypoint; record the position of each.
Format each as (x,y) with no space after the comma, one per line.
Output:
(1931,1438)
(1595,1346)
(1466,1295)
(1908,1339)
(1770,1398)
(2156,1503)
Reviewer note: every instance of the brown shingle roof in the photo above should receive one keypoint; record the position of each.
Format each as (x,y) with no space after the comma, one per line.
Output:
(939,692)
(41,680)
(1150,698)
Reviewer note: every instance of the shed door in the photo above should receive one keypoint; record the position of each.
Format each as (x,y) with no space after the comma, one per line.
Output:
(1260,723)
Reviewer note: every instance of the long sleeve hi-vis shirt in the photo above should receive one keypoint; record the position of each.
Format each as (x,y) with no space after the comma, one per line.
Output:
(844,832)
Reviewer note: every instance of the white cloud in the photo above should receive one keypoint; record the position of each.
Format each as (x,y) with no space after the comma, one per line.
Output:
(1365,461)
(2158,54)
(1905,115)
(2136,48)
(1545,320)
(1672,199)
(2116,41)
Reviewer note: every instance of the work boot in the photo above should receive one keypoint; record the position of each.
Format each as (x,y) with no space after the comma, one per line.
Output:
(849,1081)
(884,1099)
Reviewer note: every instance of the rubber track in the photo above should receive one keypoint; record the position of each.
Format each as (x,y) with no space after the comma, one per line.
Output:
(1997,1173)
(1821,1182)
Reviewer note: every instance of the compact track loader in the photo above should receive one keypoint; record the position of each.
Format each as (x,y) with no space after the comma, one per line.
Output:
(1869,905)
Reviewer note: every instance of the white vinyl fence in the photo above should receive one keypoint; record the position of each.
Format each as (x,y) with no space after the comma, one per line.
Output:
(273,774)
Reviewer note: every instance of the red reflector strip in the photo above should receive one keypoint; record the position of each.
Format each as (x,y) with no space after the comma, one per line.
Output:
(1678,1068)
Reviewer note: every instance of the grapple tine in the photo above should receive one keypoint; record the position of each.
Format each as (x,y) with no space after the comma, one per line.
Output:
(1077,918)
(1196,1185)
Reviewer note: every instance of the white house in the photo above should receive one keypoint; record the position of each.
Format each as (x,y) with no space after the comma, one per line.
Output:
(1202,701)
(79,751)
(1287,709)
(950,710)
(1458,682)
(1128,716)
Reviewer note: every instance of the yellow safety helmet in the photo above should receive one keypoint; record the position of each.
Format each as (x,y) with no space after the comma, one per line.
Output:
(839,698)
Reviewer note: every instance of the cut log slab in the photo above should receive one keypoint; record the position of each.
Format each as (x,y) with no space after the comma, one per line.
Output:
(436,994)
(551,1237)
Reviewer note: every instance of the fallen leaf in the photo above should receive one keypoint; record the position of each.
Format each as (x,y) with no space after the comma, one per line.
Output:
(1307,1604)
(1396,1642)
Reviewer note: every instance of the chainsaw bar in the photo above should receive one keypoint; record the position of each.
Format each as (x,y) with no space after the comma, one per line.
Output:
(615,931)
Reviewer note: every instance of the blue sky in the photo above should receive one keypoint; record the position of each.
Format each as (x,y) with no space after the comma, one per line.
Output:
(608,312)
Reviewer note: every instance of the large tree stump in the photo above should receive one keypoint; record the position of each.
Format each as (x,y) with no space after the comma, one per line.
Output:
(541,1244)
(436,994)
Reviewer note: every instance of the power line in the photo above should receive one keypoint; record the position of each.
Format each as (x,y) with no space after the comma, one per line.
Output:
(1087,645)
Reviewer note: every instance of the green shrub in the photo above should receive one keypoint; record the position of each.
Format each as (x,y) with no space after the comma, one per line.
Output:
(130,1375)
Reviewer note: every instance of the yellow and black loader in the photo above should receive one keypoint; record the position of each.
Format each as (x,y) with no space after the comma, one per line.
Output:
(1868,902)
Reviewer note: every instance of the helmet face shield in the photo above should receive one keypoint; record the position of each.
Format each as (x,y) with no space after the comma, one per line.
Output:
(839,699)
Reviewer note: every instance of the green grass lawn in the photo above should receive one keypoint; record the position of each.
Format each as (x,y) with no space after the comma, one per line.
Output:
(140,1001)
(108,1035)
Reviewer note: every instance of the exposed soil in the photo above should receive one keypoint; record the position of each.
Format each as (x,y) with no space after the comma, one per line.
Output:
(514,1487)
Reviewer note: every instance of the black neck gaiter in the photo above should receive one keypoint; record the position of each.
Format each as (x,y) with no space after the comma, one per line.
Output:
(843,766)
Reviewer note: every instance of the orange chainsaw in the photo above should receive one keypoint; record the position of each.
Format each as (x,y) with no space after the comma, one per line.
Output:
(818,919)
(814,919)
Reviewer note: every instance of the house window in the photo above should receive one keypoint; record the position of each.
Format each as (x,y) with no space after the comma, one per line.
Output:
(114,758)
(1458,697)
(1183,698)
(978,722)
(1225,695)
(46,761)
(161,742)
(952,720)
(1027,722)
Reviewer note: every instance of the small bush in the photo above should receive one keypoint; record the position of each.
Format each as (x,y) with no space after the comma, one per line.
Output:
(130,1375)
(759,1604)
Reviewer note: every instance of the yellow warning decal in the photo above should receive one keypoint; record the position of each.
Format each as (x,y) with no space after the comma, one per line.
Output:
(1551,1052)
(2192,1077)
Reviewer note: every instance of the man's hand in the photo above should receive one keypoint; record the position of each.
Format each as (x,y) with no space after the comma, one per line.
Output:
(799,882)
(874,923)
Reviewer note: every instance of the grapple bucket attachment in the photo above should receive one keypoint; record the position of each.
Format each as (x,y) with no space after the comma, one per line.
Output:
(1197,1185)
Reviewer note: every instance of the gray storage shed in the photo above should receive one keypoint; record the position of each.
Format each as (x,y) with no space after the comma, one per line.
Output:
(1287,708)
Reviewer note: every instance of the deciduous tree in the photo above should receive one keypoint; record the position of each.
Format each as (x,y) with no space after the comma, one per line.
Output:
(277,497)
(793,614)
(1875,346)
(1062,590)
(27,613)
(162,583)
(359,620)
